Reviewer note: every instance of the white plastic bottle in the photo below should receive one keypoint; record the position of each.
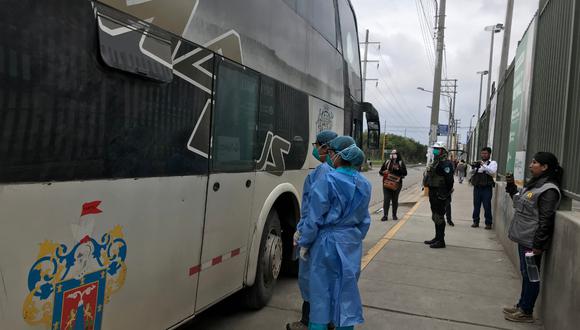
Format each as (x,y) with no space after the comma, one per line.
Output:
(532,268)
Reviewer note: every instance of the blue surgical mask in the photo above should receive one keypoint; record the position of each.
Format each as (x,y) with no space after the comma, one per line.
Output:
(316,153)
(329,161)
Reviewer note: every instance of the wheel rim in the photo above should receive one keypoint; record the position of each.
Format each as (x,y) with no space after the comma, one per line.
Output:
(273,257)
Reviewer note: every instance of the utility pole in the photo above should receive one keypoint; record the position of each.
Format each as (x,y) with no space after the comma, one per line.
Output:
(437,75)
(365,61)
(384,142)
(451,120)
(494,29)
(457,123)
(481,73)
(506,39)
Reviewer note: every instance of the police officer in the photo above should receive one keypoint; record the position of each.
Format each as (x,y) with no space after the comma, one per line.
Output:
(439,179)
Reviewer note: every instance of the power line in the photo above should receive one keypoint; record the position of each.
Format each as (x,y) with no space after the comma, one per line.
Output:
(430,33)
(398,102)
(384,104)
(404,104)
(426,43)
(390,105)
(429,23)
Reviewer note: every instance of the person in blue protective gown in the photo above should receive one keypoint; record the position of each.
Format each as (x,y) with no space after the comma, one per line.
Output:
(319,151)
(331,238)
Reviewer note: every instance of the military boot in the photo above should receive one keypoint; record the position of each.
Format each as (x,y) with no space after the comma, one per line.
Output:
(440,236)
(429,242)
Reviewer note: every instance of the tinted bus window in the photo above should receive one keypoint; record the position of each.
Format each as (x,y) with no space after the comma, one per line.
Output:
(350,47)
(320,14)
(66,115)
(323,19)
(235,115)
(284,112)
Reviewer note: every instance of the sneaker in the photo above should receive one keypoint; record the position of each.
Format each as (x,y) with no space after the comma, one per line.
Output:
(488,227)
(510,310)
(475,225)
(437,245)
(296,326)
(520,316)
(385,218)
(449,222)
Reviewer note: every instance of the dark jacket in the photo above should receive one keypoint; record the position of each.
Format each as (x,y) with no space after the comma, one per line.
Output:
(547,206)
(388,165)
(439,178)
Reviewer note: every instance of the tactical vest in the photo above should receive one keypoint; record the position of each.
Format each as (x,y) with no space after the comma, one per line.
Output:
(482,179)
(527,216)
(435,180)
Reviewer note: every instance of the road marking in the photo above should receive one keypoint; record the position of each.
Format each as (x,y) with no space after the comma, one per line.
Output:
(388,236)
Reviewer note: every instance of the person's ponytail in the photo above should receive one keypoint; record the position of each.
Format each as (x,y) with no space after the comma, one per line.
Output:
(557,175)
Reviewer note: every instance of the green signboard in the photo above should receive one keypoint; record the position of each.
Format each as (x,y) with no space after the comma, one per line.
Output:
(521,98)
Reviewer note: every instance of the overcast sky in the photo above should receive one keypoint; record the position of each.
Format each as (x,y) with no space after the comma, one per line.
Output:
(404,63)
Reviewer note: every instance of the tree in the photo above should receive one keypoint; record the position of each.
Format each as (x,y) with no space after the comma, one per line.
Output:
(412,151)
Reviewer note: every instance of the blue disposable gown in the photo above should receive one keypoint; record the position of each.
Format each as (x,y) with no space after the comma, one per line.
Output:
(304,265)
(338,220)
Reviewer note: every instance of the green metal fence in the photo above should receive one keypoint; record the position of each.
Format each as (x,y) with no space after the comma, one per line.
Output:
(554,122)
(554,116)
(503,120)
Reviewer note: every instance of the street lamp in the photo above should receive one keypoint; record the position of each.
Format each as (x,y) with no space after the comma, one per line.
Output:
(481,73)
(470,122)
(494,29)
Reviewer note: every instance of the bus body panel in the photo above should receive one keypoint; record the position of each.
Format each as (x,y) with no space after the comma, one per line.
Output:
(229,201)
(158,226)
(269,33)
(136,228)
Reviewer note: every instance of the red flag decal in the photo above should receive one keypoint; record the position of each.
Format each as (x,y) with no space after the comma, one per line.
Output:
(91,208)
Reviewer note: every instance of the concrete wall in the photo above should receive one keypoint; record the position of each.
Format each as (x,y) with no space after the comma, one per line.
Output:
(559,304)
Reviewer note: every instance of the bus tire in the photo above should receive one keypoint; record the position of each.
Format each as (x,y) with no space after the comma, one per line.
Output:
(269,264)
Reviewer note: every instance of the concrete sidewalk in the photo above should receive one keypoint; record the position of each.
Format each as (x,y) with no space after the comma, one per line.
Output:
(407,285)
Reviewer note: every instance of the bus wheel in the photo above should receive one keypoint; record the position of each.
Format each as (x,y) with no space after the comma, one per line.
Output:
(269,264)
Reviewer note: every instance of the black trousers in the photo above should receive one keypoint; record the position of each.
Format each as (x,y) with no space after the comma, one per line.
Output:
(305,313)
(391,195)
(438,206)
(448,211)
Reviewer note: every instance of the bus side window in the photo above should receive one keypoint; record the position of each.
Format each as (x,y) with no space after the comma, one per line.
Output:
(135,50)
(234,118)
(283,111)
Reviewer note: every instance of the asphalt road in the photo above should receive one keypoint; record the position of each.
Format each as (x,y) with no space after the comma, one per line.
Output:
(287,301)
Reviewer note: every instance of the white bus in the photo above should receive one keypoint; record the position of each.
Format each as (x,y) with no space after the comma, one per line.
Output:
(153,152)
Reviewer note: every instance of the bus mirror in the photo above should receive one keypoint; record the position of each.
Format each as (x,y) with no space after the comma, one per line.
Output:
(373,125)
(373,135)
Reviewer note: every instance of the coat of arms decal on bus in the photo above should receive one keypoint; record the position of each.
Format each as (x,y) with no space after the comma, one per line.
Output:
(70,286)
(325,118)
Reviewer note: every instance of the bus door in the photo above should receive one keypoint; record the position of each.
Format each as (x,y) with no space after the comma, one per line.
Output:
(231,183)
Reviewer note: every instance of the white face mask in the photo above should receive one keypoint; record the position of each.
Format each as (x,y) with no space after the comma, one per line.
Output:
(393,156)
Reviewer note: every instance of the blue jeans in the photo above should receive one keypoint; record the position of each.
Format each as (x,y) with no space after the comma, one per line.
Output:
(482,195)
(530,290)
